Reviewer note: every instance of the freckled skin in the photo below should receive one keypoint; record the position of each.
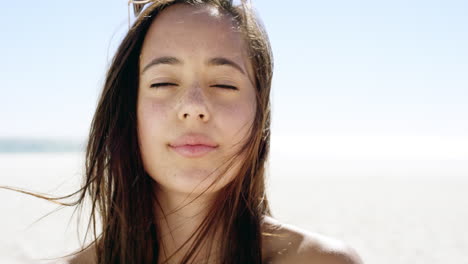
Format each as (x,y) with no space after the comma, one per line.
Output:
(193,35)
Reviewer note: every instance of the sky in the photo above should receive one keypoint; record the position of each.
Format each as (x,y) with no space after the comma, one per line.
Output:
(352,79)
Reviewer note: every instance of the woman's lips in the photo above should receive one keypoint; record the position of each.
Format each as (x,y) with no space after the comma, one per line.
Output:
(192,151)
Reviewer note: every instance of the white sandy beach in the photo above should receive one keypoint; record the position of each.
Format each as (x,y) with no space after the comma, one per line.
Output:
(390,211)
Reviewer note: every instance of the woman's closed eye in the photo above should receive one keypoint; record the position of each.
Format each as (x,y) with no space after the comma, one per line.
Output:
(225,86)
(163,84)
(155,85)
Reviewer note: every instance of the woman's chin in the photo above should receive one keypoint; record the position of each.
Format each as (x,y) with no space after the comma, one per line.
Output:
(190,181)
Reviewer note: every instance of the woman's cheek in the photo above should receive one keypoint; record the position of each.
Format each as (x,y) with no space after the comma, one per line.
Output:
(152,115)
(237,119)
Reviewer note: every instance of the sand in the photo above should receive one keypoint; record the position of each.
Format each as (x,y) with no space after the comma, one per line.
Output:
(390,211)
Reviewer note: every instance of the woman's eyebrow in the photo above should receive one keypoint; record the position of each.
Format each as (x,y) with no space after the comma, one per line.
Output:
(162,60)
(217,61)
(224,61)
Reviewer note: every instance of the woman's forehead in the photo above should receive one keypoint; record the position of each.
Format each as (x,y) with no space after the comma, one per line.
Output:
(182,13)
(188,31)
(193,26)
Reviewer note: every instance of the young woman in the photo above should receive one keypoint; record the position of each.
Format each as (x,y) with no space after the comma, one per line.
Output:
(177,148)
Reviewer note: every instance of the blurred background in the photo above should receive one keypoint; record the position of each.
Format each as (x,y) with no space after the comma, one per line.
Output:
(369,131)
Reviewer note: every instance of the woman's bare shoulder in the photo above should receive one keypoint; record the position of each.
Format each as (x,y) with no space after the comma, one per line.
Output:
(288,244)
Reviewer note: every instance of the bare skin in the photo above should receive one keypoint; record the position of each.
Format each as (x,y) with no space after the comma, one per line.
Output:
(291,245)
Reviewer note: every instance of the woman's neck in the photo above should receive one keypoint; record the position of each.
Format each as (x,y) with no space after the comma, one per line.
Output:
(178,217)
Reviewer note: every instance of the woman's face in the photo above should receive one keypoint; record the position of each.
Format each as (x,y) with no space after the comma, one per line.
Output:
(195,92)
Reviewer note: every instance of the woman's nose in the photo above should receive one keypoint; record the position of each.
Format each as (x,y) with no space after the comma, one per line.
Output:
(193,105)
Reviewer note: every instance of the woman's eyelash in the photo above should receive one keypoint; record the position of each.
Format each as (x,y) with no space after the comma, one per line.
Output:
(161,84)
(224,86)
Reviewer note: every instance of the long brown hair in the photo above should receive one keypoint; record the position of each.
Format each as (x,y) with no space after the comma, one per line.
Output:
(120,191)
